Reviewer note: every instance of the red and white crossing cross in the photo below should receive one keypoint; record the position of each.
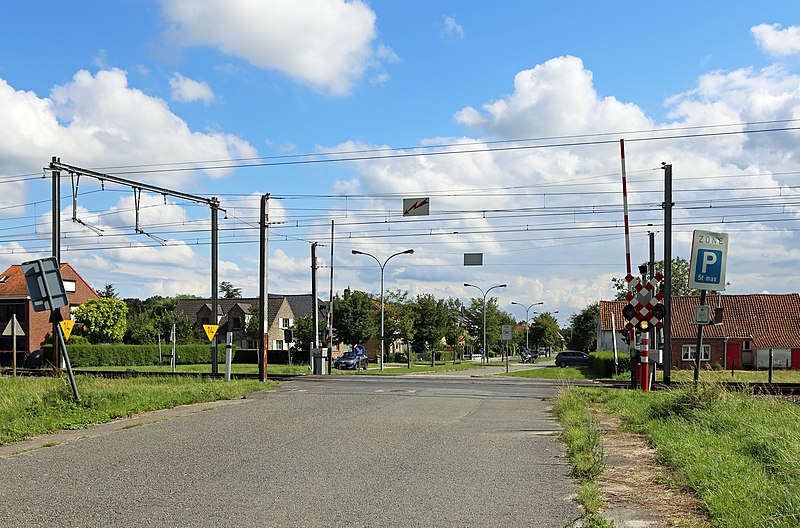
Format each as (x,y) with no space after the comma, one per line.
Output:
(644,300)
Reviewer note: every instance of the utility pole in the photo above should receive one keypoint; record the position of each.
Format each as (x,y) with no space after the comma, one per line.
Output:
(214,282)
(667,332)
(330,310)
(263,295)
(56,213)
(314,302)
(652,266)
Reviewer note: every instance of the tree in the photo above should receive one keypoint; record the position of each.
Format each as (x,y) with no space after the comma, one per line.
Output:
(453,330)
(399,316)
(544,331)
(303,331)
(431,321)
(108,292)
(494,320)
(229,291)
(583,329)
(103,319)
(680,279)
(354,318)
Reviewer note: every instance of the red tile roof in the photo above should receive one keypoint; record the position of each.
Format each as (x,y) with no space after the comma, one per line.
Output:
(773,321)
(15,285)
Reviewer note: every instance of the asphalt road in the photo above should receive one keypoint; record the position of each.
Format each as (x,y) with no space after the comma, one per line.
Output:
(343,451)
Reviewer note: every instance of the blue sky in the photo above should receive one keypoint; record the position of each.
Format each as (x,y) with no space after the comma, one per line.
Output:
(162,82)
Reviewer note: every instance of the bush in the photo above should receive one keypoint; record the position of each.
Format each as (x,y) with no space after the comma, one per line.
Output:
(82,356)
(602,363)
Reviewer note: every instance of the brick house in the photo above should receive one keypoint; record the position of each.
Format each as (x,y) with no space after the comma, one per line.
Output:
(15,299)
(234,314)
(752,326)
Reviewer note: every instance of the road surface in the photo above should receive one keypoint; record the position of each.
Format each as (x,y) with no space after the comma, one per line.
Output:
(334,451)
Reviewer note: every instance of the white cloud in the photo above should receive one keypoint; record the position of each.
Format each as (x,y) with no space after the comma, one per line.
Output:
(98,120)
(451,28)
(554,98)
(544,248)
(327,43)
(186,90)
(777,41)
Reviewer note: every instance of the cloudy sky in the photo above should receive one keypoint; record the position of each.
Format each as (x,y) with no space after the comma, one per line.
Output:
(507,115)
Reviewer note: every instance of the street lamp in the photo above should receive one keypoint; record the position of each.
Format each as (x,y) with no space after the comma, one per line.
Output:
(485,350)
(406,252)
(527,316)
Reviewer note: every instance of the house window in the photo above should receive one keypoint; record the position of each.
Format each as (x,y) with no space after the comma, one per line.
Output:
(687,353)
(746,345)
(72,309)
(237,323)
(278,344)
(69,286)
(286,323)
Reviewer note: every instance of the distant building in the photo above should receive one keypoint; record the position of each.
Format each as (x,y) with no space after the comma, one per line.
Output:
(15,299)
(752,325)
(234,314)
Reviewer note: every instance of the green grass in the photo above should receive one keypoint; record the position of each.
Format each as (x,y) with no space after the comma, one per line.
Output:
(553,372)
(34,406)
(585,450)
(738,452)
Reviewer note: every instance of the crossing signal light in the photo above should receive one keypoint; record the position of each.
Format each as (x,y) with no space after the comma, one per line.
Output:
(643,326)
(629,312)
(659,311)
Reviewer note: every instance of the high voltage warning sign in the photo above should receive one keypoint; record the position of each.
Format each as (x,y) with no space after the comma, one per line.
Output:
(66,326)
(211,331)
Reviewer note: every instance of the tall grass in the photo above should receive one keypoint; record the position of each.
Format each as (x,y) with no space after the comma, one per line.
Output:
(585,450)
(35,406)
(739,452)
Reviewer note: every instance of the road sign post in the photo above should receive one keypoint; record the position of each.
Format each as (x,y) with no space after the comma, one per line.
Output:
(506,334)
(13,329)
(706,272)
(46,288)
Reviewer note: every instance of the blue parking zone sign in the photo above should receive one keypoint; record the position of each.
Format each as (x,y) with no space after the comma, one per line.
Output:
(709,266)
(709,255)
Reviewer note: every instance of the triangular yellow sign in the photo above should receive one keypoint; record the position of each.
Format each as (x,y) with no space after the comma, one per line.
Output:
(66,328)
(211,331)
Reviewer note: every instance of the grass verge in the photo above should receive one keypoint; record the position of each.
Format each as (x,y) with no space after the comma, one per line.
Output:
(740,453)
(585,450)
(553,372)
(35,406)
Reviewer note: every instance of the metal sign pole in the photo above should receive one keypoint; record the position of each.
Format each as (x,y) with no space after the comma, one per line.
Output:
(14,340)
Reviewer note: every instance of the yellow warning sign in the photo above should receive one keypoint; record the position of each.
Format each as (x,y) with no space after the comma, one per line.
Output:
(66,328)
(211,331)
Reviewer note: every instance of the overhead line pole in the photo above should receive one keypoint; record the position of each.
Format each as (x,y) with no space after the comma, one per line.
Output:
(56,214)
(56,167)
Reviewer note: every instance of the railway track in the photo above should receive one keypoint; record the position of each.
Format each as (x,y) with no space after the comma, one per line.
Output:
(775,389)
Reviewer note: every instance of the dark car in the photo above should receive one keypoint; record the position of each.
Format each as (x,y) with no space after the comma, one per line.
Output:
(572,358)
(351,360)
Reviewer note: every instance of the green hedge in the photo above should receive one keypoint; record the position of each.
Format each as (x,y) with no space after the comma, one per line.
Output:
(602,363)
(82,356)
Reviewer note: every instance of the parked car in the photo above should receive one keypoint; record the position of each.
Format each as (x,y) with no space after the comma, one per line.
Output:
(572,358)
(351,360)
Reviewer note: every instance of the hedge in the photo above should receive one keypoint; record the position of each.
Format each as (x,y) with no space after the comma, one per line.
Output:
(84,355)
(602,363)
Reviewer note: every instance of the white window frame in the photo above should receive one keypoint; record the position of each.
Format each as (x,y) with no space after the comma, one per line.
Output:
(687,353)
(69,286)
(278,344)
(286,323)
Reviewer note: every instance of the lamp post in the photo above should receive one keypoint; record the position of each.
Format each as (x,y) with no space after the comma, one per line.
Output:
(485,350)
(382,266)
(527,317)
